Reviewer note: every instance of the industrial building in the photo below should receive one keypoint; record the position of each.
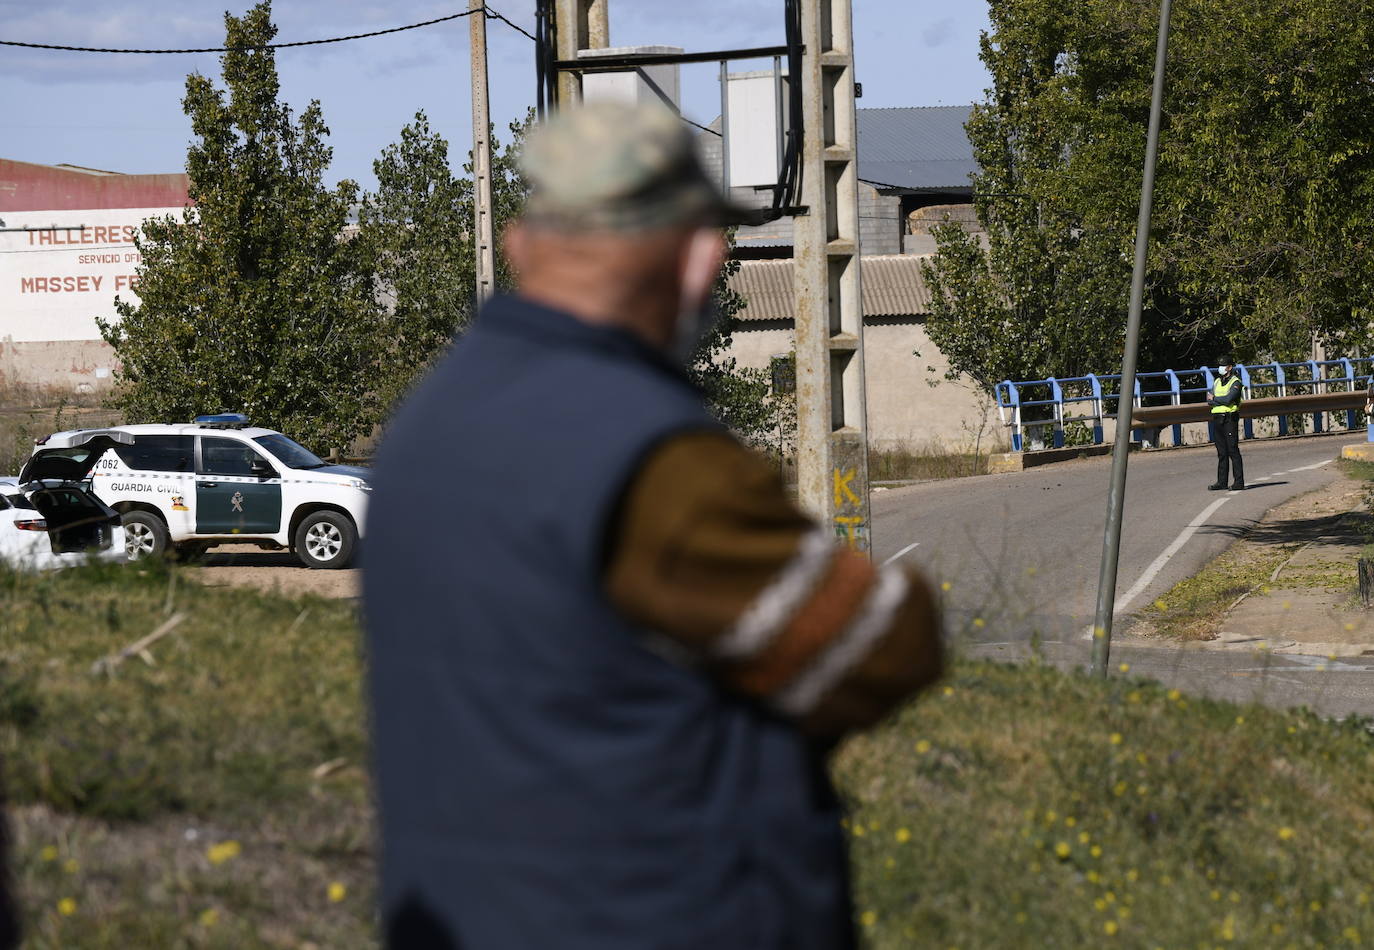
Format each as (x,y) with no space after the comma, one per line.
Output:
(66,251)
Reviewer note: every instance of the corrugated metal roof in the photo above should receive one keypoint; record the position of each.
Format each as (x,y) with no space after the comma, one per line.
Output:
(892,287)
(920,149)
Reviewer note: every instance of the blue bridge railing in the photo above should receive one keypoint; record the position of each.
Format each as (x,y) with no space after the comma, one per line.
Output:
(1035,407)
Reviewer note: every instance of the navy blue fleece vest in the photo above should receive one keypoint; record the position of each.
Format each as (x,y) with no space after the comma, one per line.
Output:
(546,779)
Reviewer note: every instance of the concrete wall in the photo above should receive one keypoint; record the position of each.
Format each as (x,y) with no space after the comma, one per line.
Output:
(910,403)
(55,367)
(880,221)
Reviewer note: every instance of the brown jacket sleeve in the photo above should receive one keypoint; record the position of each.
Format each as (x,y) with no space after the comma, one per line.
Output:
(709,551)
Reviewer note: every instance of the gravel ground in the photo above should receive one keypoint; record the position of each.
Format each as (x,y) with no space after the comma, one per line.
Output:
(246,565)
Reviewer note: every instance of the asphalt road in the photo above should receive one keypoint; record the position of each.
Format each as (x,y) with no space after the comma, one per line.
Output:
(1021,553)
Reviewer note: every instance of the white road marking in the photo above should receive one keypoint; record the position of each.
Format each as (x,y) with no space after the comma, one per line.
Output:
(909,548)
(1158,563)
(1308,468)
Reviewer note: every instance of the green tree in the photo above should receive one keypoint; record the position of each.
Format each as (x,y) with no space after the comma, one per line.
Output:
(417,228)
(1264,187)
(740,397)
(253,302)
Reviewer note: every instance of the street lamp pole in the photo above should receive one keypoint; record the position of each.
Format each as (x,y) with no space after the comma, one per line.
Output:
(1116,497)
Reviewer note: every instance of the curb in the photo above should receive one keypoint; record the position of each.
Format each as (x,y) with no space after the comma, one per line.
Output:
(1020,461)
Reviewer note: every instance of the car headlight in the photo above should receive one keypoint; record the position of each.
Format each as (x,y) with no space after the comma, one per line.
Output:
(359,484)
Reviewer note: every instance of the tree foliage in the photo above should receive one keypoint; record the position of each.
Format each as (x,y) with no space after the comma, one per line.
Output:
(740,397)
(417,229)
(1265,186)
(253,302)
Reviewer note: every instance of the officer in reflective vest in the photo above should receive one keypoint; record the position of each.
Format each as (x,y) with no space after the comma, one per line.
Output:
(1225,399)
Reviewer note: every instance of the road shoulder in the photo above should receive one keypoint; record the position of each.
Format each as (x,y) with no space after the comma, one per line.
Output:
(1289,584)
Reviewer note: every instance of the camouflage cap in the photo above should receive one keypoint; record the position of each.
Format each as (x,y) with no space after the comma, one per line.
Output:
(610,166)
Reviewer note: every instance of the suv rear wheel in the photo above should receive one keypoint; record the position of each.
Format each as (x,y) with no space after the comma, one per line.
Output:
(144,535)
(326,539)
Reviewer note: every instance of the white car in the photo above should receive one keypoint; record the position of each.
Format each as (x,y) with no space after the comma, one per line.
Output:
(49,518)
(182,488)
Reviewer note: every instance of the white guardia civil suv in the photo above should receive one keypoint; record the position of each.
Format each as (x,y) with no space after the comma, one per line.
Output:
(181,488)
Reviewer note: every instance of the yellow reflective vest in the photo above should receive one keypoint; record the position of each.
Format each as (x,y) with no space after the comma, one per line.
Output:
(1222,389)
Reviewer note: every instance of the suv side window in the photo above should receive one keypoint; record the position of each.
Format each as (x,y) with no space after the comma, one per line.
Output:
(158,453)
(227,457)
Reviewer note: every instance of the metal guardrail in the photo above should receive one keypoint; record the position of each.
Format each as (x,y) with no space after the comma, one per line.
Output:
(1035,407)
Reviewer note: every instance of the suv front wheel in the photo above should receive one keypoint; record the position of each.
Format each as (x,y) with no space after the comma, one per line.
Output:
(326,539)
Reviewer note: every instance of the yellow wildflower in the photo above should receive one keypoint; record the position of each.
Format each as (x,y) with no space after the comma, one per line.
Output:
(1124,667)
(49,853)
(1084,837)
(209,917)
(1286,833)
(1351,934)
(336,891)
(946,586)
(70,866)
(1110,928)
(903,835)
(66,906)
(224,851)
(868,918)
(1096,851)
(1062,849)
(1174,694)
(949,690)
(923,746)
(1116,738)
(979,622)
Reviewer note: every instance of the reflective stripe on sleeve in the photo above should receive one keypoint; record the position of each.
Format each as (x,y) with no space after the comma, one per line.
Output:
(774,608)
(849,648)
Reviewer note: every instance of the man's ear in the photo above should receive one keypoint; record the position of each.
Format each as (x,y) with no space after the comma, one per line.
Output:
(515,240)
(701,263)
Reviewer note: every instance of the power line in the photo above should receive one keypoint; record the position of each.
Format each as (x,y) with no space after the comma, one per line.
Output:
(699,126)
(226,49)
(492,14)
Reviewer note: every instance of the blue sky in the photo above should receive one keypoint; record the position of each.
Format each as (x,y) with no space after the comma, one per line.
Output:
(123,112)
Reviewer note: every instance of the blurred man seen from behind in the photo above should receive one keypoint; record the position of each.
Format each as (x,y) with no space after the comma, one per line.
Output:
(608,654)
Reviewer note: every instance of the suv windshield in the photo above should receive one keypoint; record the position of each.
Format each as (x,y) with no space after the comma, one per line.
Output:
(289,453)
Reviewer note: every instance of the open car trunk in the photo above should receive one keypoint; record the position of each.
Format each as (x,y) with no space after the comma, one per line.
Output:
(76,521)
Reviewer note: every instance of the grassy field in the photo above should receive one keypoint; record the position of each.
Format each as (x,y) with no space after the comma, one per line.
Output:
(214,794)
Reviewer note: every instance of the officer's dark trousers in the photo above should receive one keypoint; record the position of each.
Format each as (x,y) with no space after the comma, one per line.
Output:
(1226,435)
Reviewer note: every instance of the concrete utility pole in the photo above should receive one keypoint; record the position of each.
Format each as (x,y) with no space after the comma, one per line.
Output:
(832,444)
(482,226)
(579,25)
